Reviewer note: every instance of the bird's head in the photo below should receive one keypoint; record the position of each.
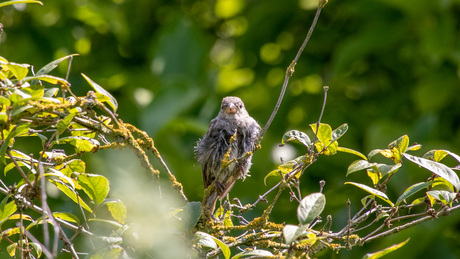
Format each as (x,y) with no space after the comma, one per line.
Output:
(232,108)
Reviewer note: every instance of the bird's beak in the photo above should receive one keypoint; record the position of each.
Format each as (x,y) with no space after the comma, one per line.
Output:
(230,109)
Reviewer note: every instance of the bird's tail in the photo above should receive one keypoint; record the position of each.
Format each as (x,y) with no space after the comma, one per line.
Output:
(209,202)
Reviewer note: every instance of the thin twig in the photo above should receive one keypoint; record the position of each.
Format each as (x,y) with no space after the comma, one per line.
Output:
(290,70)
(441,212)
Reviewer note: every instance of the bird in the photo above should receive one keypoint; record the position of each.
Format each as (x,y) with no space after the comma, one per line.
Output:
(225,151)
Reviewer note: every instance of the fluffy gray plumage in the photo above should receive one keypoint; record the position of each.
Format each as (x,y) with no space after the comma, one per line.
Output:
(210,150)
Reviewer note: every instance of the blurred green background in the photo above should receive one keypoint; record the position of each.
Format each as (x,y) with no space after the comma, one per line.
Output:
(392,68)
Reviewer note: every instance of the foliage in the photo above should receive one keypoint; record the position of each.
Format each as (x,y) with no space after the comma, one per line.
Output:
(389,58)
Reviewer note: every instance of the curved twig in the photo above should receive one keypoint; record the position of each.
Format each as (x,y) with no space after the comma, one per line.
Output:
(290,70)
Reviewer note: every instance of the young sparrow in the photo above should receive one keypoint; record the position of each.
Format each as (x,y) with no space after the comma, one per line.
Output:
(231,135)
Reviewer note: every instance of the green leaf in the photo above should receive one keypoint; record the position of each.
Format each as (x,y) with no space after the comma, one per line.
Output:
(436,168)
(204,239)
(351,151)
(446,197)
(412,190)
(6,209)
(339,132)
(95,186)
(286,168)
(11,249)
(20,163)
(325,143)
(385,251)
(398,147)
(117,210)
(52,65)
(66,216)
(71,194)
(19,70)
(296,135)
(113,102)
(82,144)
(359,165)
(291,232)
(37,248)
(47,78)
(191,214)
(310,207)
(63,124)
(35,91)
(17,109)
(5,101)
(227,219)
(50,92)
(372,191)
(257,253)
(19,2)
(438,155)
(106,221)
(386,169)
(114,251)
(18,129)
(61,176)
(207,240)
(401,144)
(324,132)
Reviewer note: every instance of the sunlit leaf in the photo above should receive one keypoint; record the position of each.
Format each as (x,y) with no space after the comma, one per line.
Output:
(47,78)
(113,251)
(286,168)
(11,249)
(385,251)
(375,176)
(63,124)
(310,207)
(296,135)
(18,129)
(37,247)
(82,144)
(351,151)
(19,70)
(386,169)
(61,176)
(66,216)
(446,197)
(204,239)
(257,253)
(226,218)
(291,232)
(95,186)
(324,132)
(436,168)
(372,191)
(401,144)
(359,165)
(117,210)
(414,147)
(438,154)
(71,194)
(113,102)
(19,2)
(339,132)
(6,209)
(5,101)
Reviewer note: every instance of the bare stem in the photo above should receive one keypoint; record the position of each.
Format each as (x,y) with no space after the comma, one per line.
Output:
(290,70)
